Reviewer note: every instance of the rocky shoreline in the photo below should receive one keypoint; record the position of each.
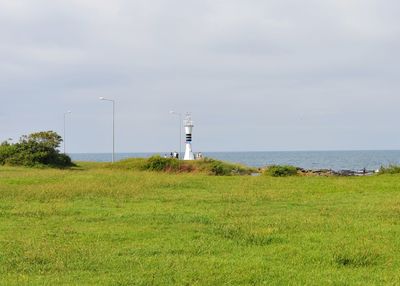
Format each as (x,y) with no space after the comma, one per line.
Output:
(329,172)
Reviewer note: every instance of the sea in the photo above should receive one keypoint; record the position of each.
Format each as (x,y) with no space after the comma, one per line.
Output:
(313,160)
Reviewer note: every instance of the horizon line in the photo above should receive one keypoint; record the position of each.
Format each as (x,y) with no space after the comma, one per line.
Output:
(256,151)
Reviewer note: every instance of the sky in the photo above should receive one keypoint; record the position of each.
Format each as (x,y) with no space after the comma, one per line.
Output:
(260,75)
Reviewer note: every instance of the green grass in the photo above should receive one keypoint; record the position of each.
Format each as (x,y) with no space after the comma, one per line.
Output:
(99,226)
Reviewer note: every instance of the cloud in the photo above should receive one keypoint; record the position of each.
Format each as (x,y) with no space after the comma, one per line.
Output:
(259,75)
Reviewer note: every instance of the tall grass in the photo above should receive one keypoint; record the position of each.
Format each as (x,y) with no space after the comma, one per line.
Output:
(102,225)
(392,169)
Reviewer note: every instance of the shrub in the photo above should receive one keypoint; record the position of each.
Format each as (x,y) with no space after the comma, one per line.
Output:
(281,171)
(62,160)
(6,151)
(220,169)
(157,163)
(392,169)
(37,149)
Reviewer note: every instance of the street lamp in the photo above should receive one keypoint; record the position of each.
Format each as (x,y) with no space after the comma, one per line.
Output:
(113,124)
(180,130)
(65,138)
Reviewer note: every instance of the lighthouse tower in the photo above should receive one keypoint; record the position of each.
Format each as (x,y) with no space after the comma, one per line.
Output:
(188,130)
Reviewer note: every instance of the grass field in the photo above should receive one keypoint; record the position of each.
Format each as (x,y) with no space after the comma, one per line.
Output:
(97,226)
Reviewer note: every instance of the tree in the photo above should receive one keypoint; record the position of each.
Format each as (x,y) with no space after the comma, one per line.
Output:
(36,149)
(49,139)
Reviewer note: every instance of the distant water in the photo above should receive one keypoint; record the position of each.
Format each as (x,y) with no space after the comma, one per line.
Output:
(335,160)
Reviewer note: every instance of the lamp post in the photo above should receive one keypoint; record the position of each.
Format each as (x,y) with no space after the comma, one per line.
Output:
(65,138)
(113,126)
(180,131)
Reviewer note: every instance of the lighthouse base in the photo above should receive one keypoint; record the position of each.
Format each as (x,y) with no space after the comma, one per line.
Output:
(188,153)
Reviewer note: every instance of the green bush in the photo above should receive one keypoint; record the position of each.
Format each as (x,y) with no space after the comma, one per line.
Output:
(221,169)
(6,152)
(281,171)
(37,149)
(62,160)
(157,163)
(392,169)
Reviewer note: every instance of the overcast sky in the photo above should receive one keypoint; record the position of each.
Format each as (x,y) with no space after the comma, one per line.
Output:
(256,75)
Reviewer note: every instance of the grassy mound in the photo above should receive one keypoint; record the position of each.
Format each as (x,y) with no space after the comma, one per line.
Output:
(159,164)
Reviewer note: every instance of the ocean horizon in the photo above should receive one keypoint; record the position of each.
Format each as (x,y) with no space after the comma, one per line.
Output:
(335,160)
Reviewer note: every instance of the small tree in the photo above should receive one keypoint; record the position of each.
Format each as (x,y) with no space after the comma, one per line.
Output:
(35,149)
(49,139)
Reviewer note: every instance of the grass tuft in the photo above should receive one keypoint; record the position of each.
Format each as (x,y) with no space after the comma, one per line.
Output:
(364,258)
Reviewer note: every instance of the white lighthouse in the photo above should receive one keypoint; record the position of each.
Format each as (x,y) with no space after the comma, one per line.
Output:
(188,130)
